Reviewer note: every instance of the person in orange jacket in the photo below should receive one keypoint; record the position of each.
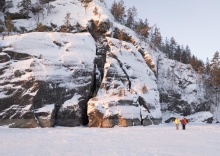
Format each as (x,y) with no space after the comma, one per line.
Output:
(177,121)
(183,122)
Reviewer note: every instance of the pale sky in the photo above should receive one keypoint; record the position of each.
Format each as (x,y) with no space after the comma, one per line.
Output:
(191,22)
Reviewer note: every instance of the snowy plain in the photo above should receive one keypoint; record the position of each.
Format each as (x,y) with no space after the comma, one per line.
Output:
(199,139)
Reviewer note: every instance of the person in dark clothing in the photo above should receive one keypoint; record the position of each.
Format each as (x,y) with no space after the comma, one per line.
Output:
(184,122)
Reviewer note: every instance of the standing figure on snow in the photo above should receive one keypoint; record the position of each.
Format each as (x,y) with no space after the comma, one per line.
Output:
(183,122)
(177,121)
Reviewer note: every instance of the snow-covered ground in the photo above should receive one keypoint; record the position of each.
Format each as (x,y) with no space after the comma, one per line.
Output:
(198,139)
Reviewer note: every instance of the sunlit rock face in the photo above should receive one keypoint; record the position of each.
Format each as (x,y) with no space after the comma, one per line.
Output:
(128,95)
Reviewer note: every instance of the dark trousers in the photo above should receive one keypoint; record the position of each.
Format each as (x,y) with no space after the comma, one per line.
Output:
(184,126)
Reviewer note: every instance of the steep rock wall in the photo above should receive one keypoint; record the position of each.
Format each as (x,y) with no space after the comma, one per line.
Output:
(128,95)
(46,82)
(181,89)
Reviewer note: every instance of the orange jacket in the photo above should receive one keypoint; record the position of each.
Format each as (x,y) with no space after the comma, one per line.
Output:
(183,121)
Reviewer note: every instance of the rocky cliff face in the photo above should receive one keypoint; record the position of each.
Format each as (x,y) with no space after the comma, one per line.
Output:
(87,75)
(46,79)
(128,94)
(181,88)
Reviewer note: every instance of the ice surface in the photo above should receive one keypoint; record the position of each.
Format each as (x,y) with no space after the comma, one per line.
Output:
(163,140)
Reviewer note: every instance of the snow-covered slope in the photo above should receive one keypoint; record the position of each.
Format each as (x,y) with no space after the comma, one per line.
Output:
(54,17)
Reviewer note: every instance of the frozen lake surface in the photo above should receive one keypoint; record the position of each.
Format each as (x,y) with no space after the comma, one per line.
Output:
(163,140)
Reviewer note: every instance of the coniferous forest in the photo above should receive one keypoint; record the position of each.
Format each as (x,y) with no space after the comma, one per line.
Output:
(173,50)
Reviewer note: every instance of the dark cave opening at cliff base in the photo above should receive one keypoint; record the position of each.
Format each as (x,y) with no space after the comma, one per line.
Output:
(83,108)
(56,109)
(84,103)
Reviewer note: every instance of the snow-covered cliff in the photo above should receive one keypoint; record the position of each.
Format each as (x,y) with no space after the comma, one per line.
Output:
(44,76)
(86,75)
(179,84)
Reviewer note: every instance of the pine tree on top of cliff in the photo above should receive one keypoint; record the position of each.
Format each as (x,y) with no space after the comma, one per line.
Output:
(214,79)
(215,69)
(118,11)
(156,38)
(184,55)
(188,53)
(215,60)
(195,63)
(131,15)
(142,28)
(165,47)
(172,48)
(207,67)
(201,70)
(178,54)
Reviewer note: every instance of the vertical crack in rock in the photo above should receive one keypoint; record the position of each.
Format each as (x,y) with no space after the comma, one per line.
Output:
(55,113)
(84,116)
(99,63)
(141,117)
(121,66)
(92,92)
(142,102)
(101,51)
(98,29)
